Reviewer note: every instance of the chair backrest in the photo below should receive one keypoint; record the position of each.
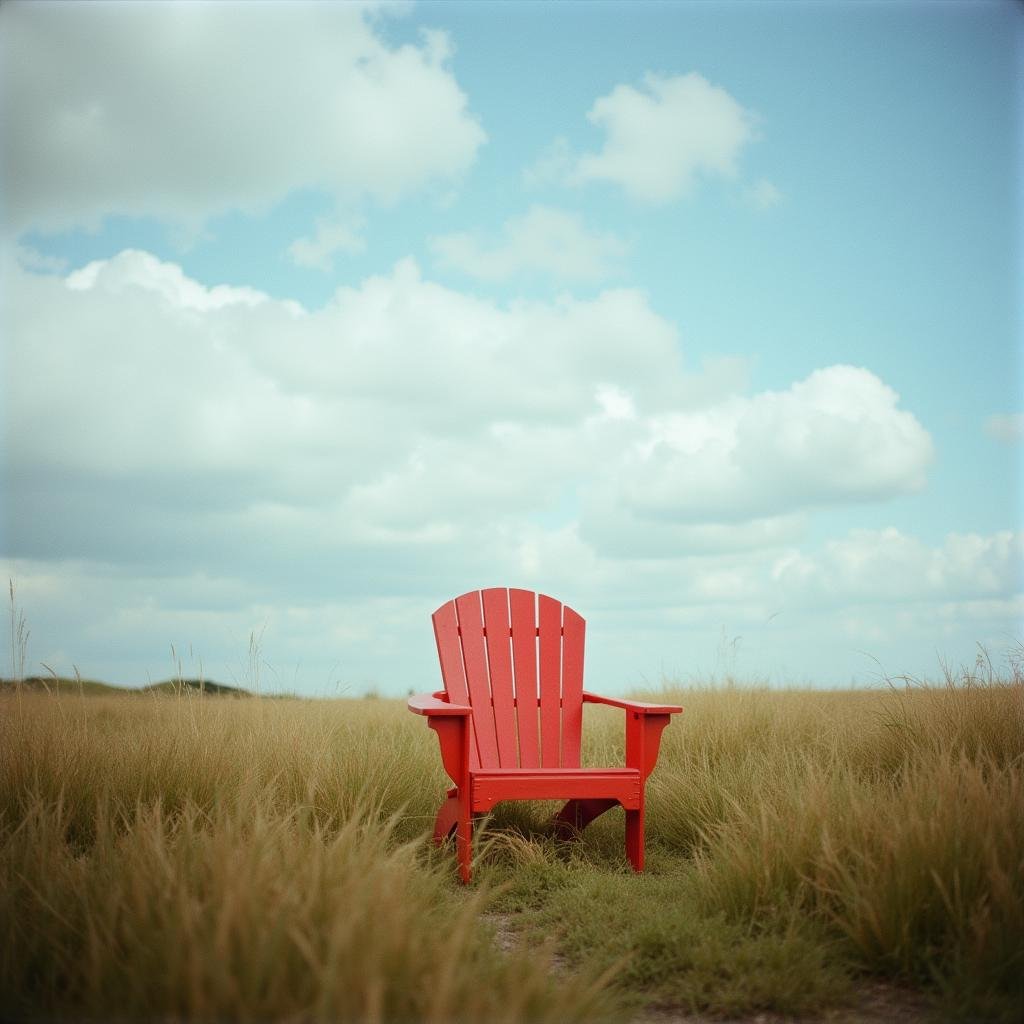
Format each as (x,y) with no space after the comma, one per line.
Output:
(516,658)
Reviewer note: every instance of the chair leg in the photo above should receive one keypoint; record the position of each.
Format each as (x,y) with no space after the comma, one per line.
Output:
(454,816)
(577,814)
(446,818)
(464,841)
(635,838)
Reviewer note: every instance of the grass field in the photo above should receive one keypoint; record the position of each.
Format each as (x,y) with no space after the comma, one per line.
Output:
(212,858)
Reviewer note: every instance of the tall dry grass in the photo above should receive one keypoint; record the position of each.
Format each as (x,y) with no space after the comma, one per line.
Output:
(892,821)
(211,858)
(218,859)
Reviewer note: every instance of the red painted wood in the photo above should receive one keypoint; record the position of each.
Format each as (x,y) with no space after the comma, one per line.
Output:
(549,664)
(464,840)
(499,661)
(573,629)
(449,652)
(635,837)
(453,735)
(523,607)
(446,820)
(424,705)
(632,705)
(623,785)
(578,813)
(643,739)
(471,633)
(478,722)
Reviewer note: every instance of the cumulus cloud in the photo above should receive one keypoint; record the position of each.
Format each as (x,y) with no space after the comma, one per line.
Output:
(182,398)
(888,565)
(544,240)
(404,413)
(660,140)
(136,270)
(406,442)
(838,436)
(166,109)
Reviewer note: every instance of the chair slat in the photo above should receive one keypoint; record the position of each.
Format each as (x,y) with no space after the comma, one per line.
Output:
(471,631)
(499,662)
(549,620)
(573,628)
(523,606)
(449,652)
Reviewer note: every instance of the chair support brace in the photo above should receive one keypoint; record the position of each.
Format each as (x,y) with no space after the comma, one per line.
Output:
(453,736)
(643,739)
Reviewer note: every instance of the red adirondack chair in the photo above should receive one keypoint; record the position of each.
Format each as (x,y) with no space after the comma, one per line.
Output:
(504,737)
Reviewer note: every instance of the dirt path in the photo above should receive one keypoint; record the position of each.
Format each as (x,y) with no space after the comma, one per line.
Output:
(875,1003)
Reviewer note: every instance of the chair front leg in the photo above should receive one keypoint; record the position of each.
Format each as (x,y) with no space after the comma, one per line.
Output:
(643,738)
(464,840)
(453,732)
(635,837)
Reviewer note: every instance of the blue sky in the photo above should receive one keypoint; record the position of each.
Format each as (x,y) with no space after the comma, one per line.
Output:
(704,318)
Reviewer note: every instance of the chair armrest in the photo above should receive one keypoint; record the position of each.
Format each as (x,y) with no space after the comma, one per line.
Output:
(633,705)
(425,704)
(644,725)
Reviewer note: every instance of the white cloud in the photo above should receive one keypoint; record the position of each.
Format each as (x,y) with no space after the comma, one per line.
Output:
(1006,427)
(836,437)
(331,236)
(615,403)
(659,141)
(183,111)
(616,531)
(406,414)
(133,270)
(190,445)
(232,399)
(889,566)
(416,408)
(357,618)
(544,240)
(32,259)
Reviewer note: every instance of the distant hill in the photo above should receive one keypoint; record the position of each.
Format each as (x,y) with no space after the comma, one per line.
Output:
(59,684)
(90,687)
(174,686)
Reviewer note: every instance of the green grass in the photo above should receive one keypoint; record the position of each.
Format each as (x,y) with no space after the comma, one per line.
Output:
(206,859)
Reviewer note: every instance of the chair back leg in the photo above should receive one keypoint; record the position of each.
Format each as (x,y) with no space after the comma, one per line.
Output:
(446,818)
(578,813)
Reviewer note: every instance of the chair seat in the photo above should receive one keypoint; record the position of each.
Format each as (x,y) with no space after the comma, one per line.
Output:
(489,786)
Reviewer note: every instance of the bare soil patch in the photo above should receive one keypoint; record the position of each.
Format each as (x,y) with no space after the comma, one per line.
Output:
(876,1002)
